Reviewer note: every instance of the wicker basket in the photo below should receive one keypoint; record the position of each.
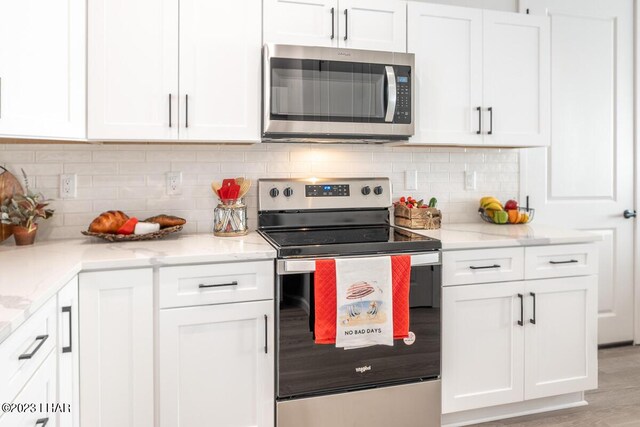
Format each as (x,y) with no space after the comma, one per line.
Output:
(134,237)
(418,218)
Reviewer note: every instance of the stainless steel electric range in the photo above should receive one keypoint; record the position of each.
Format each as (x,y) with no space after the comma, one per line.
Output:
(321,385)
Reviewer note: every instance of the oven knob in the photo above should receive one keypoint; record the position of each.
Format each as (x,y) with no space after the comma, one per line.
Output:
(288,192)
(274,192)
(378,190)
(366,190)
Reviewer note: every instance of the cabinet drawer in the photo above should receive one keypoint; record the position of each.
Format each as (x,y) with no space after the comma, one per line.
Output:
(482,266)
(542,262)
(25,349)
(216,283)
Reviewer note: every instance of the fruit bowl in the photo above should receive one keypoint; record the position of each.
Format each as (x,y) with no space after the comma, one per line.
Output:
(529,212)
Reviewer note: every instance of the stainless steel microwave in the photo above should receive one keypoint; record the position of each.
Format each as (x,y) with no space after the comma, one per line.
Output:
(332,94)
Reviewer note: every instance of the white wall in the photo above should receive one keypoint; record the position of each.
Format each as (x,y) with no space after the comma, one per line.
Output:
(131,177)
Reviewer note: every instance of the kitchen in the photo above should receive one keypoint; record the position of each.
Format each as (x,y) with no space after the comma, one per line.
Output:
(132,108)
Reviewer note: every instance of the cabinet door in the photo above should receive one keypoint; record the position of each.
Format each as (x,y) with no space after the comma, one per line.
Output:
(447,43)
(68,354)
(217,366)
(116,337)
(561,346)
(373,24)
(220,70)
(42,68)
(40,391)
(517,79)
(303,22)
(133,70)
(482,346)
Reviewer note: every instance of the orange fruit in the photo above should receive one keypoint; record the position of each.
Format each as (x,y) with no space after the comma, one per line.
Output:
(514,216)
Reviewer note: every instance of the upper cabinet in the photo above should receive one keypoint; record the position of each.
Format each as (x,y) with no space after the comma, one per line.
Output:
(482,77)
(356,24)
(42,69)
(174,70)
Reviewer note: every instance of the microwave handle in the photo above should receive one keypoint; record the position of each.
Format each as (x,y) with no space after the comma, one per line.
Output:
(391,93)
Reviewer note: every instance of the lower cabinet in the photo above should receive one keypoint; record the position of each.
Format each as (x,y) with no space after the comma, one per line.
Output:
(514,341)
(68,355)
(217,365)
(116,341)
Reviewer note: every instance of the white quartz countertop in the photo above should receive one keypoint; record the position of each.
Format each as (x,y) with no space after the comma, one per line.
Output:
(30,275)
(484,235)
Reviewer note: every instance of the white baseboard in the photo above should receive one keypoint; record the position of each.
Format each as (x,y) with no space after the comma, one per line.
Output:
(511,410)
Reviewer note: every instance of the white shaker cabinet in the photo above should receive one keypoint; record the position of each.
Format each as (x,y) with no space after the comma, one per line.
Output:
(117,347)
(216,365)
(68,354)
(482,77)
(133,70)
(356,24)
(42,68)
(482,346)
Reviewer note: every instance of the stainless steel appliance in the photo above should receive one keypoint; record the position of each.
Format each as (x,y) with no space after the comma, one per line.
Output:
(330,94)
(321,385)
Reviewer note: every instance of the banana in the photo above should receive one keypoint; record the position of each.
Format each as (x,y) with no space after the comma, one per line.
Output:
(496,206)
(485,202)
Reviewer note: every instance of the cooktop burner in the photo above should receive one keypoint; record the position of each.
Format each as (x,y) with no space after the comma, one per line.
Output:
(333,241)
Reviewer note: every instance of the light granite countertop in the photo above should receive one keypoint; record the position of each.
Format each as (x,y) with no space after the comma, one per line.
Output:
(30,275)
(483,235)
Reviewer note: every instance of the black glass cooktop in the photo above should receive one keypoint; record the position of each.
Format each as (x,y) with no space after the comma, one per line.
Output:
(340,241)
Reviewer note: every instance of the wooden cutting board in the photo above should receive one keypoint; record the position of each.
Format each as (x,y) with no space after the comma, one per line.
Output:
(9,186)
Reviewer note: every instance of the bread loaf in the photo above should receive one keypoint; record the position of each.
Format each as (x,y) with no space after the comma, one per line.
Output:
(166,220)
(108,222)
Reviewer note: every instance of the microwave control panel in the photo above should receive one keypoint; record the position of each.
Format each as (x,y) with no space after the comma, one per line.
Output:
(403,94)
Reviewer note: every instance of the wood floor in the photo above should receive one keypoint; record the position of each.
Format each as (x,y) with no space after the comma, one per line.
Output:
(615,403)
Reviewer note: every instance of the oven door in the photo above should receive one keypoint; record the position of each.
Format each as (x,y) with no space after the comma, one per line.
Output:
(317,95)
(305,368)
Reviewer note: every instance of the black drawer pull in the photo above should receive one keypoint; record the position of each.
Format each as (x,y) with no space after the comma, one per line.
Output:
(482,267)
(266,331)
(42,422)
(42,339)
(218,285)
(67,349)
(571,261)
(533,294)
(521,321)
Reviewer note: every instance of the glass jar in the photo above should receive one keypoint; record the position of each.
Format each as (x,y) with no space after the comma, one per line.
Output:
(230,219)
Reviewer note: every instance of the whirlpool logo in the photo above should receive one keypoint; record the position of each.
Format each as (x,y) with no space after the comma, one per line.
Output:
(363,369)
(344,53)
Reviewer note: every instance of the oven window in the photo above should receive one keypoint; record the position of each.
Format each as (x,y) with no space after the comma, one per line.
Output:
(313,90)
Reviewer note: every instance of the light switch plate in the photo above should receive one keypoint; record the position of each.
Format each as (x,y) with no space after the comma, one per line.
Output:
(411,179)
(470,180)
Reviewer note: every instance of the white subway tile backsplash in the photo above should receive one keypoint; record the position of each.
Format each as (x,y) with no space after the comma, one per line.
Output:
(132,177)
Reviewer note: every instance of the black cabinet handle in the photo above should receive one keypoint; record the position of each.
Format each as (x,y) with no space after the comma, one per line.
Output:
(479,110)
(186,111)
(482,267)
(42,422)
(521,321)
(169,110)
(346,25)
(67,349)
(571,261)
(533,320)
(490,120)
(266,331)
(217,285)
(42,339)
(333,23)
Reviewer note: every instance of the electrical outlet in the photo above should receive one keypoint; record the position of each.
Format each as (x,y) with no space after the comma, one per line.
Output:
(174,183)
(470,180)
(68,186)
(411,180)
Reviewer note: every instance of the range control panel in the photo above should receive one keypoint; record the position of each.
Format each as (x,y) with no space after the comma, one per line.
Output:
(323,193)
(403,94)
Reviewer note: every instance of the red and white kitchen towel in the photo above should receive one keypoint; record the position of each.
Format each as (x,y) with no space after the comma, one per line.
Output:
(362,301)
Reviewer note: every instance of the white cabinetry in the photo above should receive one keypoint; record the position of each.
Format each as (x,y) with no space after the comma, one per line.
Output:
(170,70)
(116,338)
(356,24)
(482,77)
(216,365)
(68,355)
(42,68)
(514,341)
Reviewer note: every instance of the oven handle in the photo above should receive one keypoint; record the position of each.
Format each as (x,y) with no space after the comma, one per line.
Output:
(298,266)
(391,93)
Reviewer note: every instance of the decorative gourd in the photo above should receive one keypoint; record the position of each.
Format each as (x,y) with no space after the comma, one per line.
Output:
(9,186)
